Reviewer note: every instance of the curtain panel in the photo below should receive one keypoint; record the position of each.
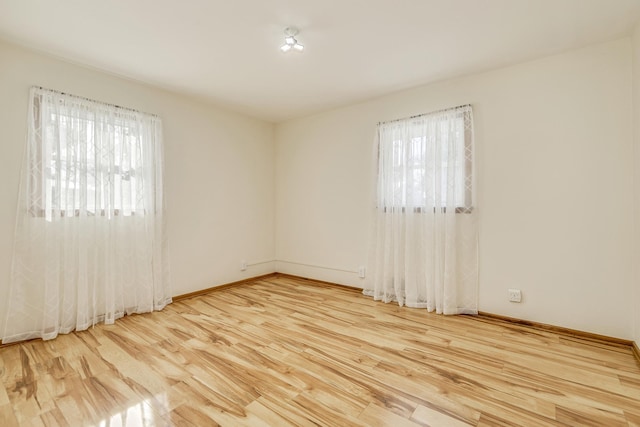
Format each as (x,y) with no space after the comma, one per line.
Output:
(90,240)
(425,238)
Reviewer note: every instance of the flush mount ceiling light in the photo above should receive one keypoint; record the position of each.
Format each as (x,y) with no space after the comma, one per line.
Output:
(290,41)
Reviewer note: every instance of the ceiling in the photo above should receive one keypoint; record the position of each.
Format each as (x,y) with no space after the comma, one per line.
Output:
(227,51)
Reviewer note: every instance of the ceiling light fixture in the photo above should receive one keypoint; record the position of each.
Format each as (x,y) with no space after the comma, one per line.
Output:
(290,41)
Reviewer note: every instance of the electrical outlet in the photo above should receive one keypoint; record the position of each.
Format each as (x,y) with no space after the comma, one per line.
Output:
(243,265)
(515,295)
(361,272)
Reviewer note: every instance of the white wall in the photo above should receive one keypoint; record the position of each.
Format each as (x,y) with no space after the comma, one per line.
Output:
(636,156)
(554,141)
(554,150)
(219,172)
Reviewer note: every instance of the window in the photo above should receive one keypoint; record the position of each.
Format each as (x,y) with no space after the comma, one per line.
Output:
(425,162)
(91,158)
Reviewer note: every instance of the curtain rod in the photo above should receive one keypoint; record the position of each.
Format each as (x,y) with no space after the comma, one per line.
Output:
(93,100)
(424,114)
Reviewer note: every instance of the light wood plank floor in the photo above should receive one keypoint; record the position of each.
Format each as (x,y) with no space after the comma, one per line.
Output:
(283,351)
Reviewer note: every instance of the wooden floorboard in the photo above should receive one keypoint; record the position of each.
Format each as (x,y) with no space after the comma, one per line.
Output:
(282,351)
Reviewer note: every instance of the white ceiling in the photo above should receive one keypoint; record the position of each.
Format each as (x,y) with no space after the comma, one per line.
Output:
(227,51)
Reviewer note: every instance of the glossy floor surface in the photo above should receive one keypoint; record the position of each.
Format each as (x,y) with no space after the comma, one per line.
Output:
(284,351)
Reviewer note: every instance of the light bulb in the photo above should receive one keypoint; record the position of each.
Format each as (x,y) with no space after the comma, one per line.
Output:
(285,47)
(290,40)
(298,47)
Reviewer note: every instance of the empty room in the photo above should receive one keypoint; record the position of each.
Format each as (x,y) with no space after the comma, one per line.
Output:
(279,213)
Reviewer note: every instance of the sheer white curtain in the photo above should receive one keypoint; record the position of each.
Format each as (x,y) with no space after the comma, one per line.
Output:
(90,241)
(425,238)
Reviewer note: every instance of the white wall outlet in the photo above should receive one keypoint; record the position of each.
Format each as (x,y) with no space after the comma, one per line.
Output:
(361,271)
(243,265)
(515,295)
